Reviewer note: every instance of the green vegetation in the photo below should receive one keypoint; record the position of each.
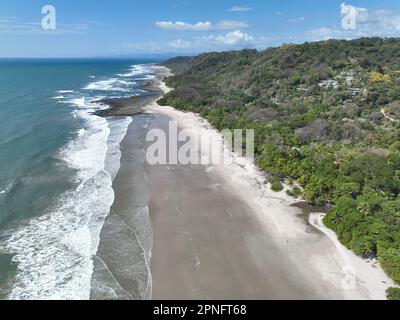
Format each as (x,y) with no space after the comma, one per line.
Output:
(393,294)
(325,115)
(277,186)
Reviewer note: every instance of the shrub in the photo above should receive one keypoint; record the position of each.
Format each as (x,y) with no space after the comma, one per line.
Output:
(393,294)
(276,186)
(389,257)
(295,192)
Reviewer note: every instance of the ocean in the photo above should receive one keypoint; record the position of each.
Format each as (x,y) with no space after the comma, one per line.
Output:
(57,165)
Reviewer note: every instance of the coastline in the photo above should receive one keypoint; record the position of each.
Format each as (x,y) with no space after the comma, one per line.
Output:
(219,232)
(367,271)
(343,276)
(122,261)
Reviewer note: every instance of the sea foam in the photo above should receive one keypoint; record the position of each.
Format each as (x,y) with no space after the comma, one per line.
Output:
(140,69)
(54,252)
(113,84)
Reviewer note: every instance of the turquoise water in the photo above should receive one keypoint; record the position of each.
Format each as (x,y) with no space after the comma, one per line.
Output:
(57,163)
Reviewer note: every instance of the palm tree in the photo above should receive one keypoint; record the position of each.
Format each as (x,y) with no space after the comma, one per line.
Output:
(368,248)
(337,218)
(365,209)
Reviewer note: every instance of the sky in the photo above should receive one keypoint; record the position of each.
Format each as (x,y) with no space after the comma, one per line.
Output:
(105,28)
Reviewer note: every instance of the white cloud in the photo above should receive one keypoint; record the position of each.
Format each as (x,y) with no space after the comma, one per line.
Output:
(233,40)
(297,20)
(12,25)
(379,20)
(384,17)
(180,44)
(201,26)
(368,23)
(231,25)
(326,33)
(169,25)
(238,9)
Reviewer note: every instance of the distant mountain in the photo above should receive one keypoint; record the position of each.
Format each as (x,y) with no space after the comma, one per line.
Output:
(151,56)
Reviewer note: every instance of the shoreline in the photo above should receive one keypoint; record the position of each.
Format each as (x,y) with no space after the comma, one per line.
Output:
(208,244)
(364,270)
(216,232)
(122,268)
(325,255)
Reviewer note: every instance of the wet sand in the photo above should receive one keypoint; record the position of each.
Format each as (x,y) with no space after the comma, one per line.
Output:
(122,261)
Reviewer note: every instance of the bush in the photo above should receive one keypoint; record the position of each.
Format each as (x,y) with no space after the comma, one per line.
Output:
(295,192)
(389,257)
(393,294)
(277,186)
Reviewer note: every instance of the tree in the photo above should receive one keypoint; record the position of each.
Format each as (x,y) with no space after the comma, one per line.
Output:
(393,294)
(364,208)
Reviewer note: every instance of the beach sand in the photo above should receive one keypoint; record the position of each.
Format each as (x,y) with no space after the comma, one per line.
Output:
(209,244)
(222,233)
(215,232)
(214,239)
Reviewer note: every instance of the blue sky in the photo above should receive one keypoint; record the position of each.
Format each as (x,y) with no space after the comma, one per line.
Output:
(90,28)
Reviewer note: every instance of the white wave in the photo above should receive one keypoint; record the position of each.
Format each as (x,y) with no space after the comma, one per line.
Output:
(54,252)
(148,77)
(65,91)
(89,104)
(81,133)
(118,128)
(112,84)
(58,97)
(136,70)
(87,153)
(79,102)
(6,189)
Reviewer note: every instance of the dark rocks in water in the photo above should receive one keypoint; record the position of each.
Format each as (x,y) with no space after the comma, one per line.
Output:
(124,107)
(152,86)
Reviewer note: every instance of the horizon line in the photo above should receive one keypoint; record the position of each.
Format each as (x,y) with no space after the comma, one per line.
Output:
(191,54)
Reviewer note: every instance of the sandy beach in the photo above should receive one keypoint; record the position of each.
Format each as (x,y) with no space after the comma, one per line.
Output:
(208,244)
(221,233)
(205,158)
(216,232)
